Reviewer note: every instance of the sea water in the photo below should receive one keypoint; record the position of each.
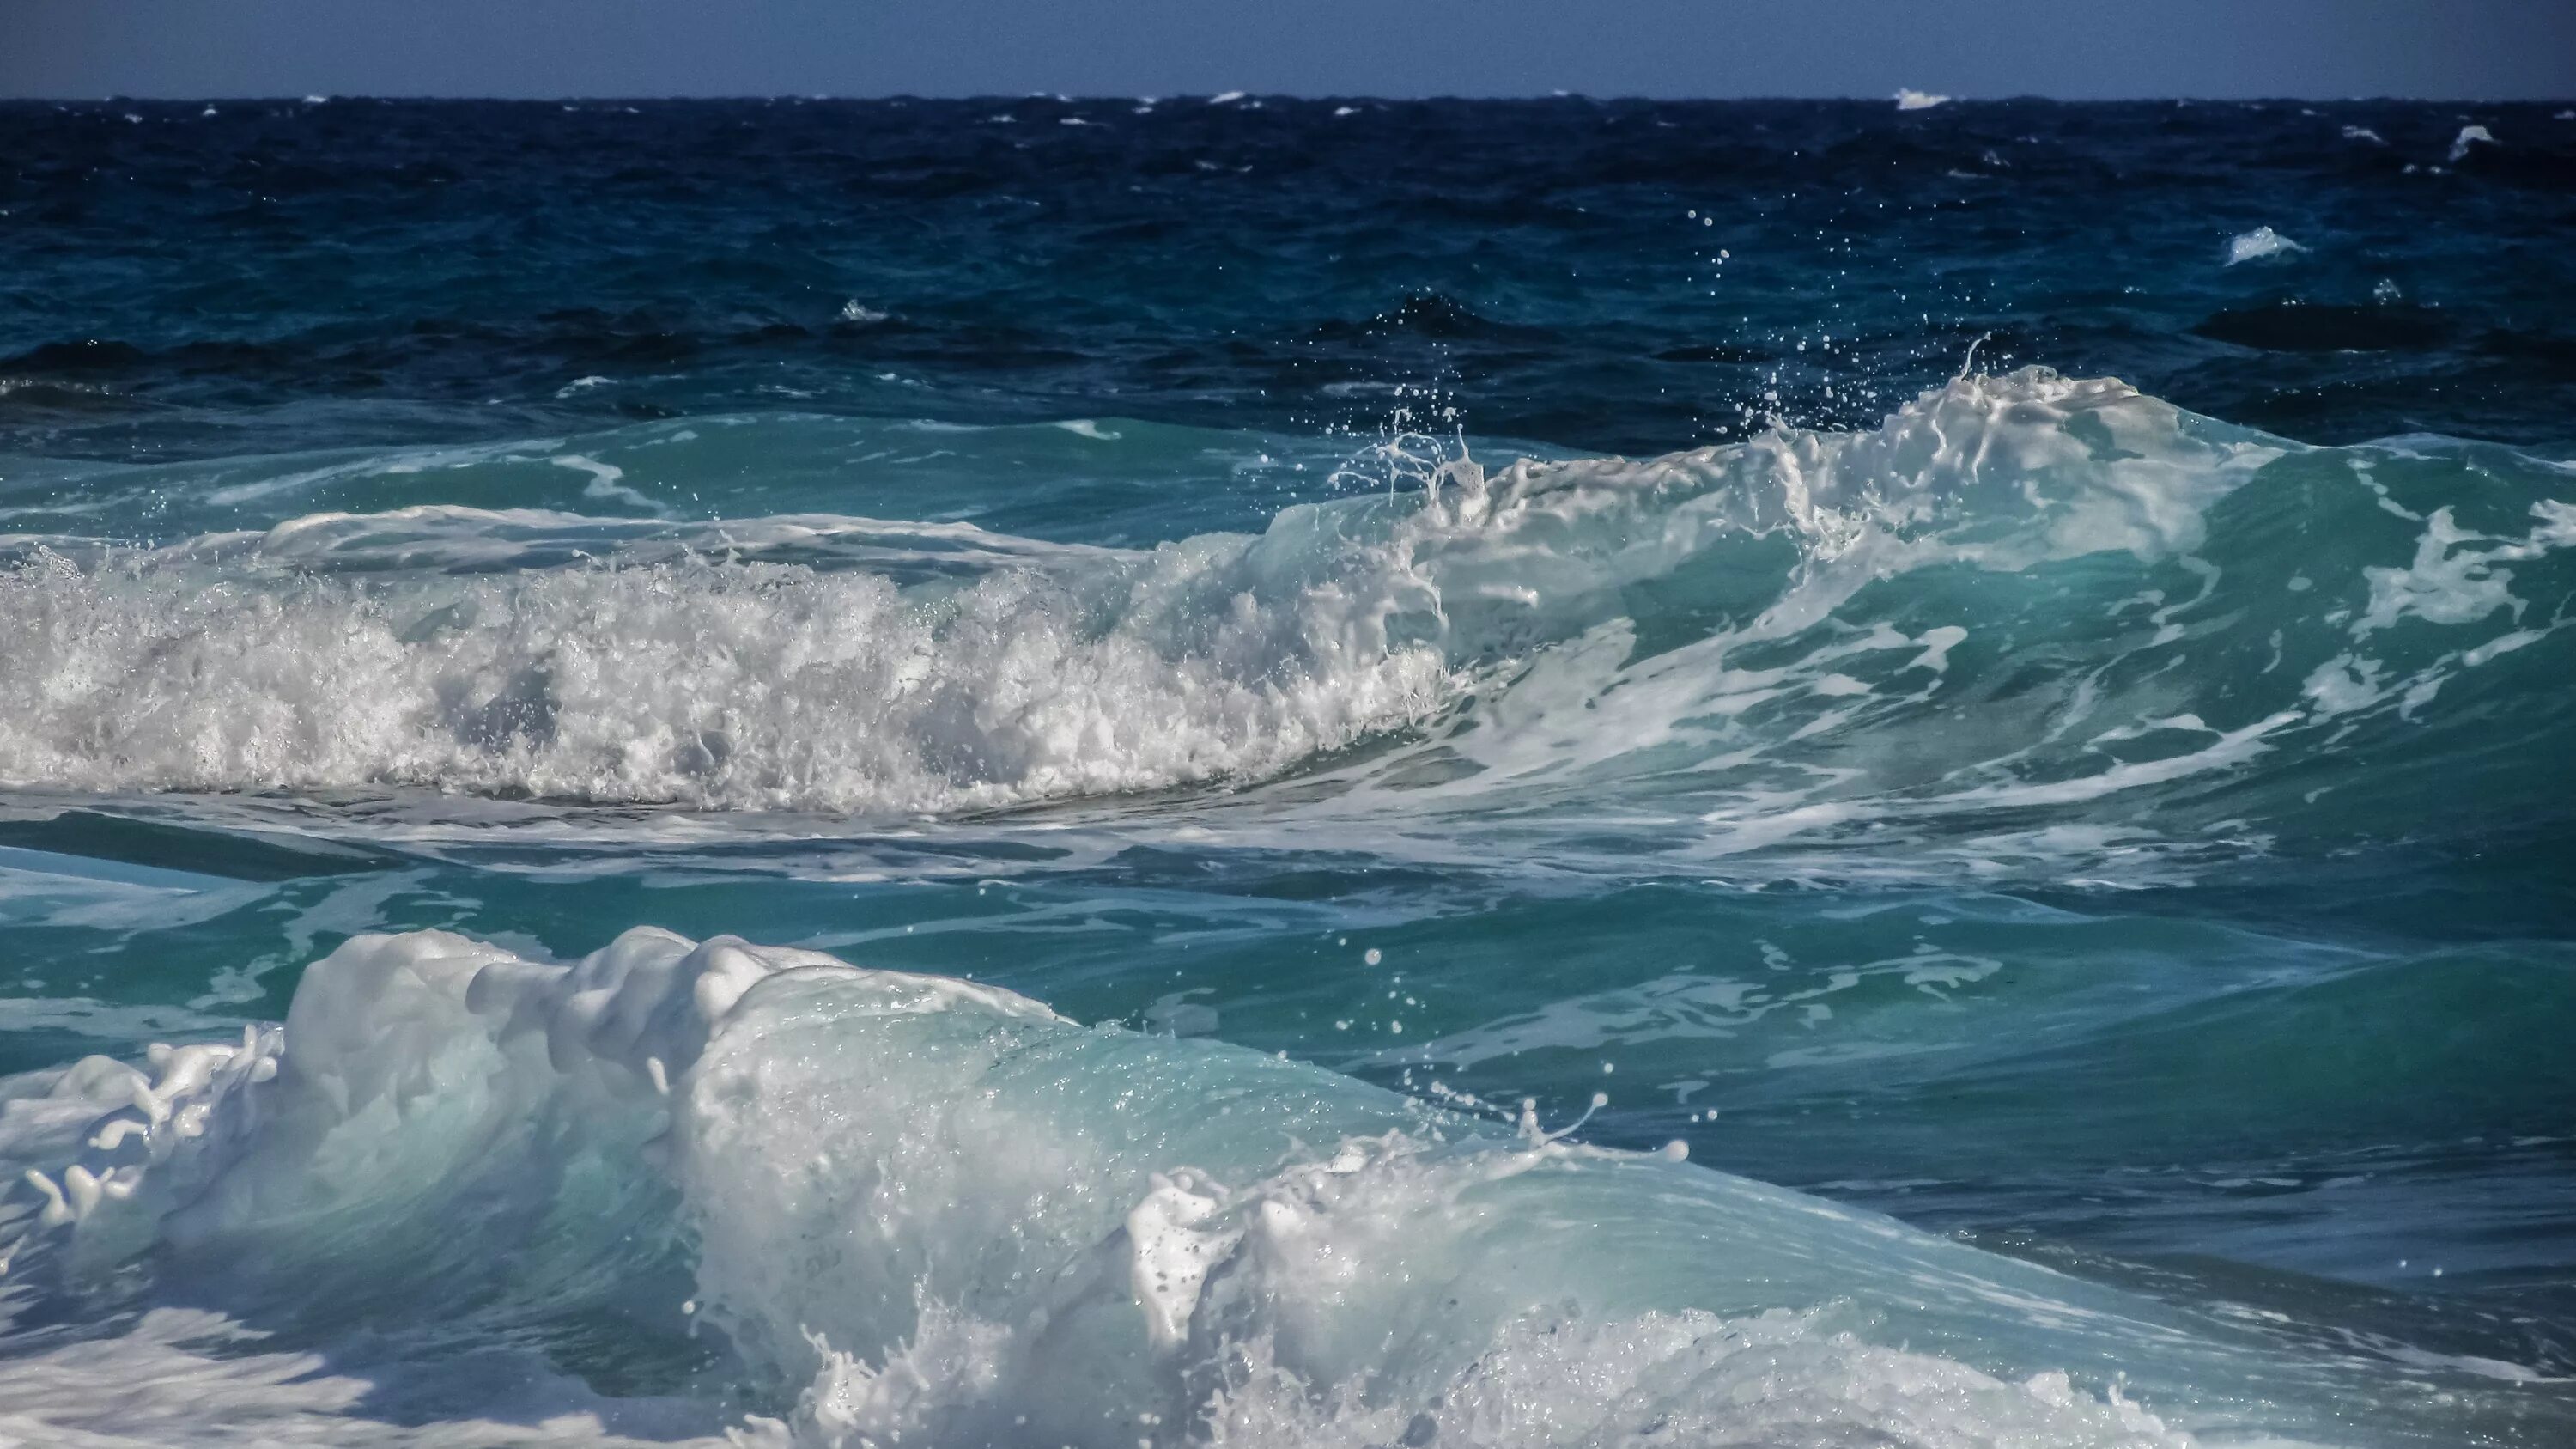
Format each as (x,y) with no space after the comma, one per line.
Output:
(1280,772)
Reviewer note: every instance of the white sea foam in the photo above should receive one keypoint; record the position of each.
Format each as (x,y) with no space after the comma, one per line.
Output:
(606,482)
(2469,136)
(1746,657)
(851,665)
(187,1376)
(1913,100)
(930,1210)
(2261,242)
(716,683)
(2458,577)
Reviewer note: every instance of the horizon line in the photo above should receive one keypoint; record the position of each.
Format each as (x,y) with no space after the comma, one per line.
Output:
(1231,98)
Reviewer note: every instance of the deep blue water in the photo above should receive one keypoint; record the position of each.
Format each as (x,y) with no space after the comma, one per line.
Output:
(2003,666)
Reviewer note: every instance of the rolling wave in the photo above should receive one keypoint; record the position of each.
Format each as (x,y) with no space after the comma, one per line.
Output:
(2164,634)
(918,1209)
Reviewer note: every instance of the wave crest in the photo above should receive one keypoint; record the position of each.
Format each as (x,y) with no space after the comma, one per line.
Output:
(1743,645)
(920,1207)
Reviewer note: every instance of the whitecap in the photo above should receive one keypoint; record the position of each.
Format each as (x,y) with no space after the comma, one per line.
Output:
(2258,244)
(852,665)
(1435,640)
(1914,100)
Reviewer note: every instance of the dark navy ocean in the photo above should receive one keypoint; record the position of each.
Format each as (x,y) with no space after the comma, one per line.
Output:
(1254,772)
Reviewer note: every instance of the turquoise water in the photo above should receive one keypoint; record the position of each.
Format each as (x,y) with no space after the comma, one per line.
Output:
(858,774)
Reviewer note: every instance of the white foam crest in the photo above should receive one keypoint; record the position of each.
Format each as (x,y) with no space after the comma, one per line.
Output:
(1502,643)
(708,683)
(931,1211)
(2261,242)
(1707,655)
(1755,726)
(849,664)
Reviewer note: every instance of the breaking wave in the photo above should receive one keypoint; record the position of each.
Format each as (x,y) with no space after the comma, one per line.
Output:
(2156,628)
(913,1209)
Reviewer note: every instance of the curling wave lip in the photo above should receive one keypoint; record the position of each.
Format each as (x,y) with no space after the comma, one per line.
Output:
(924,1208)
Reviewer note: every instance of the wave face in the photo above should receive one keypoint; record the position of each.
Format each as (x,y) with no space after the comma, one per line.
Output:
(917,1209)
(2172,637)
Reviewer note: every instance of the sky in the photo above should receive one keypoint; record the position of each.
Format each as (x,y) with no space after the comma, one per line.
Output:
(2073,49)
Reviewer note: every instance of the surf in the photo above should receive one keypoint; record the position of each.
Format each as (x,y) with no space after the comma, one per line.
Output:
(2176,637)
(912,1208)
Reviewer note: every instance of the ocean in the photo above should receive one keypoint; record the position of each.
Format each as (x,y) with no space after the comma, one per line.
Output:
(1265,772)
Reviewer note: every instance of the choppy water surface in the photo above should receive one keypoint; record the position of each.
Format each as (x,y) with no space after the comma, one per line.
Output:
(1301,773)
